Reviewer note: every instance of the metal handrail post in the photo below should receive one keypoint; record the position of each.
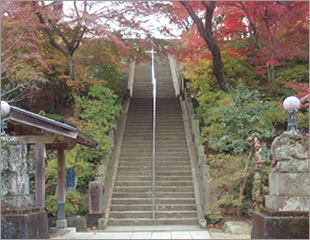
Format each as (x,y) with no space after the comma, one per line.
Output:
(154,128)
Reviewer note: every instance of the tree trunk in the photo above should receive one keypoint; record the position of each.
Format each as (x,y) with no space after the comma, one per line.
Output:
(218,71)
(205,30)
(71,66)
(243,182)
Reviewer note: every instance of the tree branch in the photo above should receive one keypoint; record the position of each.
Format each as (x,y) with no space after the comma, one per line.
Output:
(49,32)
(196,19)
(253,25)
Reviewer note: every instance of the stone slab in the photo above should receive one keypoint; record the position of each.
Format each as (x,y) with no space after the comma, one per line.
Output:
(87,235)
(141,235)
(103,235)
(287,203)
(181,235)
(218,234)
(102,223)
(232,227)
(78,222)
(33,225)
(61,223)
(161,235)
(200,235)
(301,166)
(204,170)
(122,235)
(290,147)
(289,184)
(276,226)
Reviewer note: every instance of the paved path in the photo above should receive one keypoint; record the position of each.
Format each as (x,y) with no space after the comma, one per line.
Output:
(163,232)
(138,235)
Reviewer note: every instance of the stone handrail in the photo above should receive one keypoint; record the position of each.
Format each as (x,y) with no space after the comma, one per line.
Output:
(174,72)
(131,77)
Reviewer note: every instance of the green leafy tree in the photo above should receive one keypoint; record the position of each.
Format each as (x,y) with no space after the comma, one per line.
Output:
(97,114)
(243,118)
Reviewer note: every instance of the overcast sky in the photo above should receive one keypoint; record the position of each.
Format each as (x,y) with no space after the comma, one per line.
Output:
(152,24)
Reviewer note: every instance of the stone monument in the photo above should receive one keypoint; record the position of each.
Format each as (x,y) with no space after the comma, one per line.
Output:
(19,219)
(286,212)
(95,203)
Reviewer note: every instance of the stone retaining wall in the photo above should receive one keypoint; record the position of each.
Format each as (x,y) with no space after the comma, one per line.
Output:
(208,195)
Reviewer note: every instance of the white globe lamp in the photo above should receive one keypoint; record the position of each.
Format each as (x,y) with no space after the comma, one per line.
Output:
(291,104)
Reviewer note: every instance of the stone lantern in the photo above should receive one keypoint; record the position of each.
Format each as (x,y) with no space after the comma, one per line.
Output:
(286,210)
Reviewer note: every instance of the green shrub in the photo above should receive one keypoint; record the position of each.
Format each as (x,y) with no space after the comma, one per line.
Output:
(243,118)
(292,72)
(98,112)
(76,204)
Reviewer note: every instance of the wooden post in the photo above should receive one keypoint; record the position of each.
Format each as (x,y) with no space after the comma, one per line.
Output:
(61,184)
(40,175)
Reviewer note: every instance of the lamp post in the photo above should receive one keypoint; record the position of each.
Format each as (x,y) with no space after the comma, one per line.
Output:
(5,110)
(291,104)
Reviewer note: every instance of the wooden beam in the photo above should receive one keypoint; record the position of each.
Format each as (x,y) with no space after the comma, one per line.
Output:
(39,138)
(40,175)
(61,183)
(53,142)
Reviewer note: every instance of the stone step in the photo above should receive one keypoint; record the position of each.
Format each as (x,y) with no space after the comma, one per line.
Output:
(144,144)
(148,222)
(135,201)
(149,163)
(158,154)
(158,132)
(143,157)
(149,149)
(149,214)
(159,173)
(157,178)
(147,116)
(158,142)
(158,138)
(123,183)
(173,173)
(158,166)
(172,168)
(149,207)
(157,189)
(161,148)
(175,195)
(171,120)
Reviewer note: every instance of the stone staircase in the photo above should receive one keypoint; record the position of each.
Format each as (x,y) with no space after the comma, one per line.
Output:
(131,202)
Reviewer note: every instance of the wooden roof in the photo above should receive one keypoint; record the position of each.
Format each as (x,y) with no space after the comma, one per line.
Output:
(33,128)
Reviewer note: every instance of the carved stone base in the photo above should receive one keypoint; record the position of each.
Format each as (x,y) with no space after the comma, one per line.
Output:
(25,223)
(268,224)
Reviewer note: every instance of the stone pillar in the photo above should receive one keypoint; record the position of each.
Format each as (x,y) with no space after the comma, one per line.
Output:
(19,220)
(14,177)
(289,179)
(95,196)
(286,212)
